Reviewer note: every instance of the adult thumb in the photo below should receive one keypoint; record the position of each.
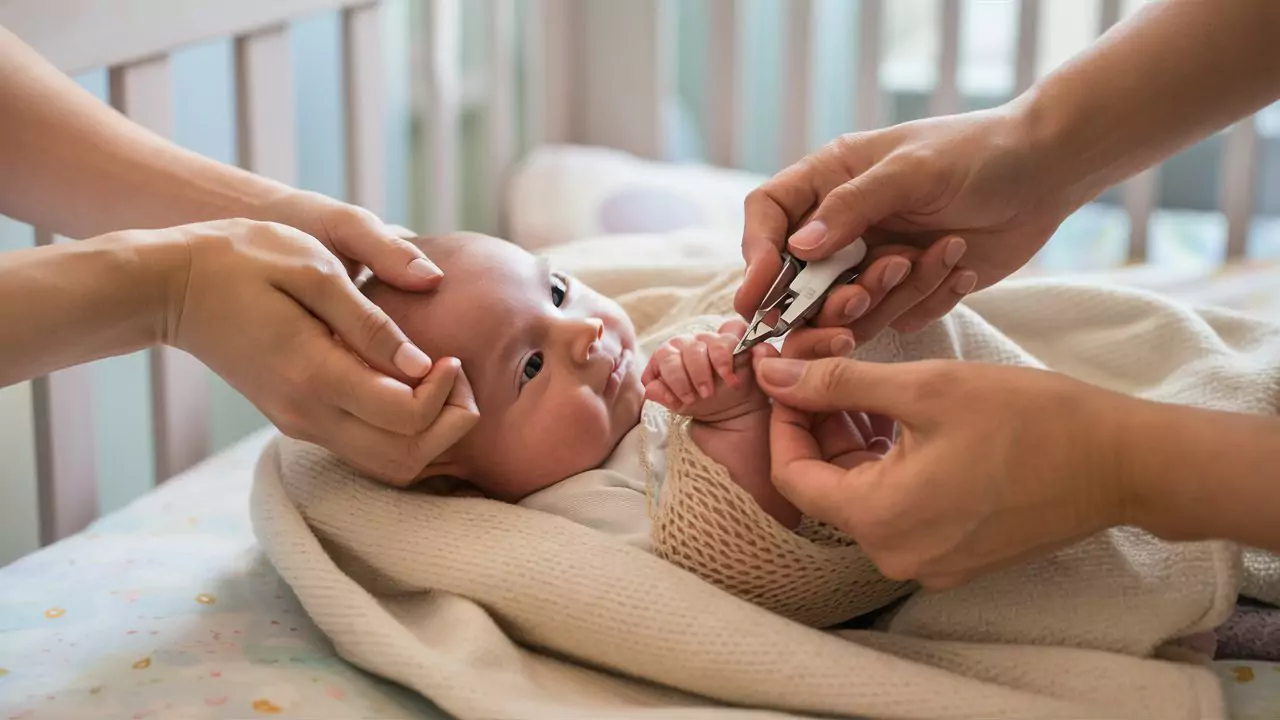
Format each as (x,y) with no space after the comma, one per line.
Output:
(838,384)
(846,212)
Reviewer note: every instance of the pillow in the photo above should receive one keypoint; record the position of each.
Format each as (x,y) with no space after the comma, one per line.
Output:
(561,193)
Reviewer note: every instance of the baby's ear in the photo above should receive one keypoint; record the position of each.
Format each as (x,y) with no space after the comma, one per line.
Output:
(444,476)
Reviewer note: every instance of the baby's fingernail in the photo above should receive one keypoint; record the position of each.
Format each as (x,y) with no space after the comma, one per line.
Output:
(856,307)
(781,373)
(424,268)
(965,283)
(704,391)
(896,273)
(810,236)
(955,251)
(880,446)
(842,345)
(411,361)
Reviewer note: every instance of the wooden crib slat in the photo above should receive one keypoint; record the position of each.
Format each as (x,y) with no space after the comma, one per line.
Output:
(628,79)
(82,35)
(264,105)
(66,475)
(179,382)
(722,119)
(366,101)
(870,24)
(434,50)
(798,95)
(1028,45)
(550,49)
(1239,172)
(946,94)
(1141,192)
(500,109)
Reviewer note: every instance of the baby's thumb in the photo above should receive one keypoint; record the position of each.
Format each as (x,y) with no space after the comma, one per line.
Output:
(837,384)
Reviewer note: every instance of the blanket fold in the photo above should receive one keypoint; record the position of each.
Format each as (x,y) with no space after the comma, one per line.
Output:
(493,610)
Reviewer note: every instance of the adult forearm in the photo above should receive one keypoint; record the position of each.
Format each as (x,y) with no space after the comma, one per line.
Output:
(74,302)
(1198,474)
(79,168)
(1176,72)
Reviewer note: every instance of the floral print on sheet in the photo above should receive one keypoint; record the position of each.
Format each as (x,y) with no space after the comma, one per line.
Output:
(168,609)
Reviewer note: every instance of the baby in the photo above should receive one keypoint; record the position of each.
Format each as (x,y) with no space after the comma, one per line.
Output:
(560,383)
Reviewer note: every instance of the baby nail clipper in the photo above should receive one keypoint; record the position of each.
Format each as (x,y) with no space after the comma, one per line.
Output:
(799,291)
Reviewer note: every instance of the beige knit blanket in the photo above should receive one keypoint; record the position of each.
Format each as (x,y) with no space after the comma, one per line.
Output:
(497,611)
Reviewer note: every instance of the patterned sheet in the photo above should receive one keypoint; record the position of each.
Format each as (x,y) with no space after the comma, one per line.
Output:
(168,610)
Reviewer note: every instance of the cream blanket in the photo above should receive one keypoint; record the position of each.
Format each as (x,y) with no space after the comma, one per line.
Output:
(493,610)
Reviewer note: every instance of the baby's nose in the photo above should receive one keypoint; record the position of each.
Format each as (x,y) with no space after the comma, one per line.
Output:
(587,333)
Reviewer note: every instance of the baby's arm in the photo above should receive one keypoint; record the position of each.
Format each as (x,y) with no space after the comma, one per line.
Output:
(695,376)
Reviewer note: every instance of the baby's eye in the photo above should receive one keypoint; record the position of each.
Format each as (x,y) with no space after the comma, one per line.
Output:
(532,367)
(558,289)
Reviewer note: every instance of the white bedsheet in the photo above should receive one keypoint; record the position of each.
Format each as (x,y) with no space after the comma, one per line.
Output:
(167,609)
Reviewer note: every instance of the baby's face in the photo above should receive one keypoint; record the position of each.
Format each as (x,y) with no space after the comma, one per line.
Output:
(553,364)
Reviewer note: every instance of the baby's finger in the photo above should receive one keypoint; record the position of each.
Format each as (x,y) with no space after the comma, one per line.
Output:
(697,363)
(737,327)
(721,353)
(960,283)
(677,379)
(654,369)
(808,343)
(658,392)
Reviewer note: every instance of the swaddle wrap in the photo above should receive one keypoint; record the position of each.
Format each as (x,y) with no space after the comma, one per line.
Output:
(495,610)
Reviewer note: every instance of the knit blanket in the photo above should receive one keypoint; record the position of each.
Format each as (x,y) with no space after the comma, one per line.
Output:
(493,610)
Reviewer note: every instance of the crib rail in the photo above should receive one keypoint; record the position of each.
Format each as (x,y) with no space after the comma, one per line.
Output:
(599,72)
(133,38)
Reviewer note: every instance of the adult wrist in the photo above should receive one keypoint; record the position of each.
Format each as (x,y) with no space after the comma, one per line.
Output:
(160,264)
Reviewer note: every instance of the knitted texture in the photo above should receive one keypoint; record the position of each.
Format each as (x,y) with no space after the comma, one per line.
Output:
(494,610)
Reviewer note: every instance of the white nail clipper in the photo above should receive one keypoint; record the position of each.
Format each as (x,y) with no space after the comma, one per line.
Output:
(799,291)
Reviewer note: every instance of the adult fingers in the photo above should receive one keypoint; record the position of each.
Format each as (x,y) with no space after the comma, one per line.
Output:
(396,458)
(943,300)
(816,487)
(324,289)
(929,273)
(810,343)
(360,235)
(839,384)
(379,400)
(886,188)
(849,303)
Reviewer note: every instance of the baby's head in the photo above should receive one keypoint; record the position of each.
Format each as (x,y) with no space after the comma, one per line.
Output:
(552,363)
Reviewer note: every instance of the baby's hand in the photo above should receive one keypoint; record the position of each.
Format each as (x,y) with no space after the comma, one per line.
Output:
(694,375)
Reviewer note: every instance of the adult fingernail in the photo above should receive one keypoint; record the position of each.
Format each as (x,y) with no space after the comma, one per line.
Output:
(896,273)
(810,236)
(965,283)
(856,307)
(411,361)
(424,269)
(781,373)
(842,345)
(955,251)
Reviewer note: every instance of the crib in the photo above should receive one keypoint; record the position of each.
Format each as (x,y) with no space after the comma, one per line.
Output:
(556,74)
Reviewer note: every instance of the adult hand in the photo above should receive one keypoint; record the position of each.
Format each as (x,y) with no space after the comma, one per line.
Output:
(930,191)
(261,303)
(993,463)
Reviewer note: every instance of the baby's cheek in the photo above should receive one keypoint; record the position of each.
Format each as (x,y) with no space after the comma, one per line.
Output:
(574,431)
